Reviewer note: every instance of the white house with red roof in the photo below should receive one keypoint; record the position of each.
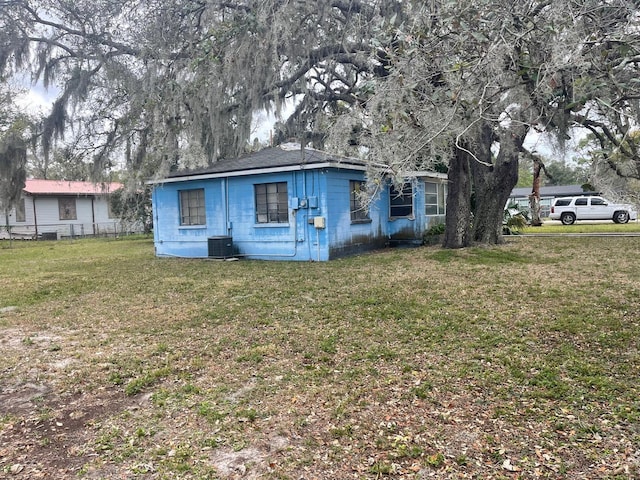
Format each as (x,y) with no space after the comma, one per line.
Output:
(54,209)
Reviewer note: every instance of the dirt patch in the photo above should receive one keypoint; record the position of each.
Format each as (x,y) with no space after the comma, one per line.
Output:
(21,398)
(47,435)
(249,463)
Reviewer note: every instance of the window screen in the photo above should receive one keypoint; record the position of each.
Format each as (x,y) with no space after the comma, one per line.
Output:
(192,211)
(272,203)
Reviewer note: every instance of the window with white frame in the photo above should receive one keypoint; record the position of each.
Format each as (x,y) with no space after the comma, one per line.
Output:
(359,213)
(192,211)
(435,195)
(401,201)
(272,202)
(67,208)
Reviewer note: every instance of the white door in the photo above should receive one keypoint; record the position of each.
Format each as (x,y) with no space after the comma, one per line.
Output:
(582,208)
(598,209)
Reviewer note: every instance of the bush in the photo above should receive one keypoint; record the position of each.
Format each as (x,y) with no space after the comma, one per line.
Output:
(437,229)
(432,234)
(515,219)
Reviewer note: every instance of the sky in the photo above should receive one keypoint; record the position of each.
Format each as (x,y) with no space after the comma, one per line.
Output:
(36,99)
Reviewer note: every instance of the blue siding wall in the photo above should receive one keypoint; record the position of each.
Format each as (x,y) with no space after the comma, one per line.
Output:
(230,210)
(347,237)
(273,241)
(325,193)
(170,237)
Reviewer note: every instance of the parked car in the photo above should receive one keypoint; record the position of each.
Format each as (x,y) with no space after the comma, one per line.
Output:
(570,209)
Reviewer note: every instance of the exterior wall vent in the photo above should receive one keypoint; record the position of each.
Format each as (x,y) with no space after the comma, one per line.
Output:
(220,247)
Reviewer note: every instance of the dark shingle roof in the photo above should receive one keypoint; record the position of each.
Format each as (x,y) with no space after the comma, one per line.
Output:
(273,157)
(552,191)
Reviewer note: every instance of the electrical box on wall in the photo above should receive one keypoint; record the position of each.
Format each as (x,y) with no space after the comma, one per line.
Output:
(319,222)
(296,203)
(313,202)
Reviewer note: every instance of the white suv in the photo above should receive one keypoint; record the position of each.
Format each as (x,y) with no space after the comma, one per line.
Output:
(570,209)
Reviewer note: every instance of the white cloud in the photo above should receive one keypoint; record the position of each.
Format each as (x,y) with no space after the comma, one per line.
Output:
(36,99)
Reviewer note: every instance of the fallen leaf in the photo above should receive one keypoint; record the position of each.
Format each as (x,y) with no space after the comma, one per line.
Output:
(507,465)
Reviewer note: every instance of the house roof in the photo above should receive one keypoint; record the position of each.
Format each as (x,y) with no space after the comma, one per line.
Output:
(552,191)
(64,187)
(287,157)
(282,158)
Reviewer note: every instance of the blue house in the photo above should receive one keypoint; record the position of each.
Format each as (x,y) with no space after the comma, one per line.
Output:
(286,203)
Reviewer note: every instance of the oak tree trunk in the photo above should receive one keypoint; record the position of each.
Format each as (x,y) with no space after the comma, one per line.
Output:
(458,217)
(492,185)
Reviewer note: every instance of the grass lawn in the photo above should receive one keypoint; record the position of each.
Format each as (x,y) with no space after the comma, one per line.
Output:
(500,363)
(551,227)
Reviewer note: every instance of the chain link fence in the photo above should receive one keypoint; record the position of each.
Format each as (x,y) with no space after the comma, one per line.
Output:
(74,230)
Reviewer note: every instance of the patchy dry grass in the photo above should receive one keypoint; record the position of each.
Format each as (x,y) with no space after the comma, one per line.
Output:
(500,363)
